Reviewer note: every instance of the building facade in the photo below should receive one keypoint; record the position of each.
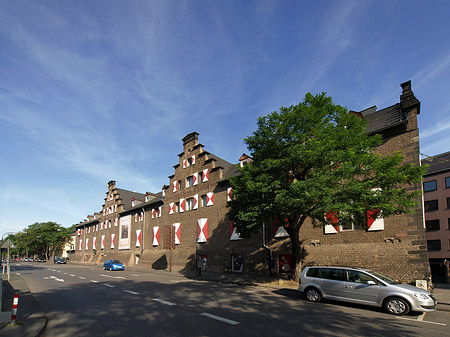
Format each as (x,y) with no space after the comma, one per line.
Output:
(436,188)
(186,226)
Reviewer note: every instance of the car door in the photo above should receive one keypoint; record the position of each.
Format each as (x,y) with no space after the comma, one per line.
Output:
(332,282)
(361,287)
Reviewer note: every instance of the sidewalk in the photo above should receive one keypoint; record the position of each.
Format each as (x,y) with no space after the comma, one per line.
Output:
(33,320)
(30,317)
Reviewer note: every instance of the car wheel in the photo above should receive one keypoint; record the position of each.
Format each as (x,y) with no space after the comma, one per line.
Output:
(396,306)
(313,295)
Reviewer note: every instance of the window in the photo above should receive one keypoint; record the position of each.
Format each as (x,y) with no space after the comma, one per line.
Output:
(332,274)
(189,204)
(358,277)
(433,245)
(448,202)
(189,181)
(312,272)
(448,223)
(429,186)
(431,205)
(432,225)
(204,200)
(447,182)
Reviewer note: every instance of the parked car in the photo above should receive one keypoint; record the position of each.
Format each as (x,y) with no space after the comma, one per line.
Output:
(364,286)
(59,260)
(113,265)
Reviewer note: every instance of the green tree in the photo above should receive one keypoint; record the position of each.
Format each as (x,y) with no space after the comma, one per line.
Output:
(315,159)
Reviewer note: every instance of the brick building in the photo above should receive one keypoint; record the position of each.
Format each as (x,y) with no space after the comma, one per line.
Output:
(166,230)
(436,188)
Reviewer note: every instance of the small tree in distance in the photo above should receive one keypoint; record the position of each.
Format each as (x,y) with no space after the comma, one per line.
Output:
(315,161)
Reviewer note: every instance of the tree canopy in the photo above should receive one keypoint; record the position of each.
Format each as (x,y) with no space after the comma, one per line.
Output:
(42,239)
(313,159)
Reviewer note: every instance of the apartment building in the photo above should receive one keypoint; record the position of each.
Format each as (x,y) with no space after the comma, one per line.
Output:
(436,191)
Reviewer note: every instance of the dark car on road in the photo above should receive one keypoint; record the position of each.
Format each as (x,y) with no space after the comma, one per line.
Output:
(59,260)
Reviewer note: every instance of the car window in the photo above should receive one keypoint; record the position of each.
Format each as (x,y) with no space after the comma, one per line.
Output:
(359,277)
(332,274)
(312,272)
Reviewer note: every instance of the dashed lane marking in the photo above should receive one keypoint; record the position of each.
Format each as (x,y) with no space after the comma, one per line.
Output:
(225,320)
(109,285)
(163,301)
(94,281)
(121,277)
(417,320)
(131,292)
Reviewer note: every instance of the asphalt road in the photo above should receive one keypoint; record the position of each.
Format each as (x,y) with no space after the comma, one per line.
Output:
(88,301)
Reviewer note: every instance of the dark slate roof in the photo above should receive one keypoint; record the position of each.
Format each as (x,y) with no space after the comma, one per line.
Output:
(438,163)
(384,119)
(158,198)
(126,197)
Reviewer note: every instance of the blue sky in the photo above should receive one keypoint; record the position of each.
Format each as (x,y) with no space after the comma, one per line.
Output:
(92,91)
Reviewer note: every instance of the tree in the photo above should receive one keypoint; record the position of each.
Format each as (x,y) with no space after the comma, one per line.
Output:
(315,161)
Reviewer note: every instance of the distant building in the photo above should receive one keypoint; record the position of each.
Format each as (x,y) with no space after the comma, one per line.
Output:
(186,225)
(436,191)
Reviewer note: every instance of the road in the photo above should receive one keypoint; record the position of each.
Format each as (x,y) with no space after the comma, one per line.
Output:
(84,300)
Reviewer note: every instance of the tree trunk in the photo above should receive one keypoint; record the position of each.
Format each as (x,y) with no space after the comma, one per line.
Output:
(296,251)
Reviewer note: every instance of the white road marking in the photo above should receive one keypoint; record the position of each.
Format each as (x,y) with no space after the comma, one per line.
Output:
(131,292)
(109,285)
(94,281)
(229,321)
(54,278)
(163,301)
(71,274)
(113,276)
(82,278)
(66,273)
(135,275)
(415,320)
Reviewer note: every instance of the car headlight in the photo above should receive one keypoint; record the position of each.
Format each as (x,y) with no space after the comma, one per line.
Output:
(421,296)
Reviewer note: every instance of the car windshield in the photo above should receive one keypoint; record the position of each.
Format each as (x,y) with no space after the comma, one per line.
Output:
(383,277)
(116,261)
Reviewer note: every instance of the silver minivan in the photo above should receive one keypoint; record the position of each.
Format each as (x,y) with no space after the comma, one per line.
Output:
(364,286)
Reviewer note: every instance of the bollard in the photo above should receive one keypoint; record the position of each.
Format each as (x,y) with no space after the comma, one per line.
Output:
(14,308)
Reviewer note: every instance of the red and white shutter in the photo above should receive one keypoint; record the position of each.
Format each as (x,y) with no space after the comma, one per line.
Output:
(374,223)
(209,198)
(195,202)
(113,241)
(177,233)
(153,213)
(104,212)
(174,186)
(195,179)
(172,208)
(193,159)
(102,243)
(109,223)
(229,192)
(202,230)
(205,175)
(182,205)
(138,237)
(81,244)
(159,211)
(331,227)
(79,232)
(116,222)
(185,163)
(87,243)
(94,242)
(136,217)
(156,236)
(234,235)
(96,227)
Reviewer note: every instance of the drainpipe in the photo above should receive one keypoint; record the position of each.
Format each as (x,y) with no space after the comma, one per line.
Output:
(269,251)
(143,229)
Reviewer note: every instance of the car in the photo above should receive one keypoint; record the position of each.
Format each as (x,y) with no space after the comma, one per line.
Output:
(364,286)
(59,260)
(113,265)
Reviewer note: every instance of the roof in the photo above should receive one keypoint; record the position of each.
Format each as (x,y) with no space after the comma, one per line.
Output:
(438,163)
(126,197)
(386,118)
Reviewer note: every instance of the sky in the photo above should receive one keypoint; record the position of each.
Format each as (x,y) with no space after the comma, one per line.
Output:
(93,91)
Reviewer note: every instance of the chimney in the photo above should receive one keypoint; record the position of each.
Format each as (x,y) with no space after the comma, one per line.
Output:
(407,99)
